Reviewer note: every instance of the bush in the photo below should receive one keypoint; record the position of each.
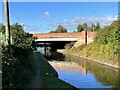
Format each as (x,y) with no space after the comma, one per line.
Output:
(69,45)
(16,68)
(18,64)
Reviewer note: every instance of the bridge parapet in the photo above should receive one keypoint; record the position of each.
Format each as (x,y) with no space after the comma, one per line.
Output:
(79,37)
(50,35)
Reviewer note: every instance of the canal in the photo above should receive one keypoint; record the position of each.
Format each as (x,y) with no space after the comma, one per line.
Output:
(82,73)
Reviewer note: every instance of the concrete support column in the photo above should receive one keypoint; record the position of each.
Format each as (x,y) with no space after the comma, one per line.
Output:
(84,37)
(45,49)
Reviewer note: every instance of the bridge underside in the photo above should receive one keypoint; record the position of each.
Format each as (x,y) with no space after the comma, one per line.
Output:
(53,44)
(57,39)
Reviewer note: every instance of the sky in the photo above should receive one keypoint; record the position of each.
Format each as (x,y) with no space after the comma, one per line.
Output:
(43,17)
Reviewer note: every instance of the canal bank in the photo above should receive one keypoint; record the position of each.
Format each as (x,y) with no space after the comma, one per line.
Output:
(87,58)
(84,74)
(49,75)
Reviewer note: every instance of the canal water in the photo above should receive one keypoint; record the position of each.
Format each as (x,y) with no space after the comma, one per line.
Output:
(41,49)
(85,74)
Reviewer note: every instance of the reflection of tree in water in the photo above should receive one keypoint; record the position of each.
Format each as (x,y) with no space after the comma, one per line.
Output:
(56,56)
(105,75)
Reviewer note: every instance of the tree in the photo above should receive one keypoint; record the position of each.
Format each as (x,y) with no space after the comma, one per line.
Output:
(20,37)
(92,27)
(20,59)
(108,35)
(60,29)
(2,28)
(79,28)
(84,26)
(97,26)
(52,31)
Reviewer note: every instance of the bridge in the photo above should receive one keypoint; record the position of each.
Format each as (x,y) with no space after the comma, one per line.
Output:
(78,37)
(57,36)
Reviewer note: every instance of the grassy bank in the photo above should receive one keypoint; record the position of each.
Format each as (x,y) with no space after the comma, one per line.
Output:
(105,47)
(49,76)
(95,53)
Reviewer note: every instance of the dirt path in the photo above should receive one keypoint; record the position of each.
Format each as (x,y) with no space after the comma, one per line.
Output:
(37,82)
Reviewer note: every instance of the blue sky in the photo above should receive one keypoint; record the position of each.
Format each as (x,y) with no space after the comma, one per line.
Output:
(42,17)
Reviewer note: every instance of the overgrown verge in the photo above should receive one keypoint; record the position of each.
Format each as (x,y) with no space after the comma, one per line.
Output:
(18,65)
(49,76)
(105,47)
(17,68)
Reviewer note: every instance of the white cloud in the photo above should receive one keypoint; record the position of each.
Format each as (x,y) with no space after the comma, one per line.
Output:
(69,24)
(47,13)
(64,20)
(72,24)
(46,16)
(32,29)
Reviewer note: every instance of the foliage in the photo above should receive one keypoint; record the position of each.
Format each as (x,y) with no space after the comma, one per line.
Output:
(2,28)
(60,29)
(19,64)
(95,27)
(82,27)
(79,28)
(20,37)
(108,35)
(16,68)
(69,45)
(105,44)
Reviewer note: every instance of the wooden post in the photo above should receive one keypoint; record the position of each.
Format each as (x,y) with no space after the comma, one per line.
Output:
(7,25)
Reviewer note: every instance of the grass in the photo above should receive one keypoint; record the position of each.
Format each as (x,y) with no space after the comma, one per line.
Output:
(32,70)
(94,55)
(49,78)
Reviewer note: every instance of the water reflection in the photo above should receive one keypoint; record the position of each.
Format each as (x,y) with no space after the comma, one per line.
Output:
(84,70)
(85,74)
(103,74)
(80,80)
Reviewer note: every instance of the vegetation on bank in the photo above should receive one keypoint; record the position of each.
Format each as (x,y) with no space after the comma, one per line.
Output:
(105,75)
(18,67)
(105,47)
(49,75)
